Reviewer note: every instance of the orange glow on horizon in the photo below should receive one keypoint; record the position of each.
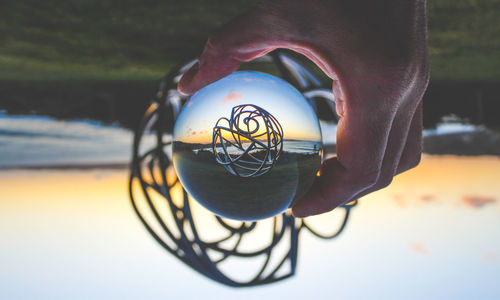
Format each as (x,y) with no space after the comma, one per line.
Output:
(466,181)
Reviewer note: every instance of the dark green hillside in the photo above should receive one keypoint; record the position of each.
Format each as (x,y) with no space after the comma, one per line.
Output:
(113,39)
(102,59)
(136,40)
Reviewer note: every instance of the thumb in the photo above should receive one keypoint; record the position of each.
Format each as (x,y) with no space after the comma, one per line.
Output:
(243,39)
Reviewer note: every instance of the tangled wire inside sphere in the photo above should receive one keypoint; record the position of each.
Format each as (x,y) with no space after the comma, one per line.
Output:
(249,143)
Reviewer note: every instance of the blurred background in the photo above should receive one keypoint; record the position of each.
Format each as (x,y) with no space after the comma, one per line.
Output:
(76,77)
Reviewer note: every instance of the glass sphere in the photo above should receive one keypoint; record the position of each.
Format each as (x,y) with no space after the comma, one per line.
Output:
(247,146)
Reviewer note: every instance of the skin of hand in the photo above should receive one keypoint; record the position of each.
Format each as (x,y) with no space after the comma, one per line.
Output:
(376,54)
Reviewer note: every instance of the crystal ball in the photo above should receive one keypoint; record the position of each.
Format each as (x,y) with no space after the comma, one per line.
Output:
(248,146)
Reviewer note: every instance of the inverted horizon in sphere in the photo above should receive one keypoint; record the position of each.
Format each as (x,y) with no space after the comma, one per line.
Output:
(247,146)
(223,95)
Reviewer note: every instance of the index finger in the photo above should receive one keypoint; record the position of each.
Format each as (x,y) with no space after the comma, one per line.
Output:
(243,39)
(362,137)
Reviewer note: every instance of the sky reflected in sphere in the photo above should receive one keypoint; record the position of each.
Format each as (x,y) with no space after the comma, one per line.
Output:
(257,165)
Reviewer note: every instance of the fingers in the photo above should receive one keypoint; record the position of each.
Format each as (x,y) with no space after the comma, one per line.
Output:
(399,143)
(257,32)
(403,150)
(413,148)
(401,153)
(362,139)
(243,39)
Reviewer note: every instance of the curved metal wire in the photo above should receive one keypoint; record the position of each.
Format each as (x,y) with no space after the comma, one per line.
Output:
(168,214)
(252,132)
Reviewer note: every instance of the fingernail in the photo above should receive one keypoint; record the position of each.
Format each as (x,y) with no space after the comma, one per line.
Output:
(337,90)
(339,98)
(186,79)
(340,107)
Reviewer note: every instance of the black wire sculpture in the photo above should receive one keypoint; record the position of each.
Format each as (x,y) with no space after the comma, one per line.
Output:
(256,138)
(205,242)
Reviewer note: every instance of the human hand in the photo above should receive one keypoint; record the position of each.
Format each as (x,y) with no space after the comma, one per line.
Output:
(376,54)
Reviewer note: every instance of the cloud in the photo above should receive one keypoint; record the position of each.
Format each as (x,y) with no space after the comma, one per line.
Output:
(490,257)
(427,198)
(232,97)
(477,201)
(419,248)
(400,201)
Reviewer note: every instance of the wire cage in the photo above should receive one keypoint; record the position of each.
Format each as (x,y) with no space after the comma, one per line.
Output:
(205,242)
(239,128)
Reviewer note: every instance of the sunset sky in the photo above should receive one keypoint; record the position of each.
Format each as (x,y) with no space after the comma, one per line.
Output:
(434,231)
(285,103)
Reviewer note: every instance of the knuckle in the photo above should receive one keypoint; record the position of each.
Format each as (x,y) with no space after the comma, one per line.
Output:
(410,163)
(370,179)
(211,44)
(214,46)
(415,161)
(384,182)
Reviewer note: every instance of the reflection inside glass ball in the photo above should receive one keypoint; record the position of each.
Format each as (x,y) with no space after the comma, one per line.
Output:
(249,143)
(247,147)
